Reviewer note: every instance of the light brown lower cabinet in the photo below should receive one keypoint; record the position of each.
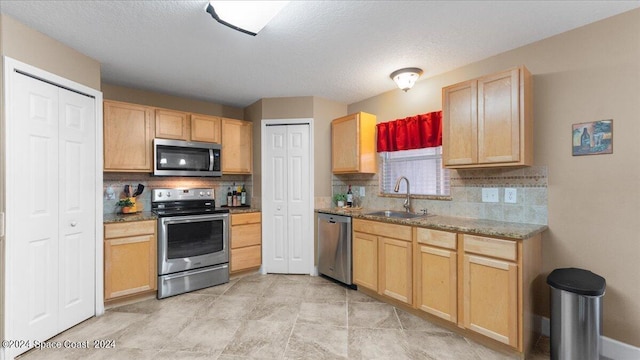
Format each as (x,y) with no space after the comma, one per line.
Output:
(365,260)
(130,258)
(395,269)
(479,284)
(491,288)
(436,269)
(246,241)
(383,261)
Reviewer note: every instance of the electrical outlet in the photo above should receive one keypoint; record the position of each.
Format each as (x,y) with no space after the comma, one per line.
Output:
(361,191)
(510,195)
(490,195)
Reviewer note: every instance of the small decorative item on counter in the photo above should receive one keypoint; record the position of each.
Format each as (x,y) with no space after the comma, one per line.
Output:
(234,196)
(243,196)
(349,197)
(229,197)
(128,205)
(339,199)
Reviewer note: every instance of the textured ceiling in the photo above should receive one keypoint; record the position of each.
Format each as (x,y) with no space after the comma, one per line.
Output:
(339,50)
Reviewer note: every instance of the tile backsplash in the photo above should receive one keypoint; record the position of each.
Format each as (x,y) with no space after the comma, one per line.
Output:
(117,181)
(465,199)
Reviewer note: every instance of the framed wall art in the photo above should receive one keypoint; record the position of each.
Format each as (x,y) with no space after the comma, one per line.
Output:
(593,138)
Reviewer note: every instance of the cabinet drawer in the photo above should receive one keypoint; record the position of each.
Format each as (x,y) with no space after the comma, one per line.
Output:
(503,249)
(245,235)
(439,238)
(132,228)
(401,232)
(245,258)
(248,218)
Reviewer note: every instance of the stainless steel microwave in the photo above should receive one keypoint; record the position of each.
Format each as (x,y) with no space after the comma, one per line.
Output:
(186,158)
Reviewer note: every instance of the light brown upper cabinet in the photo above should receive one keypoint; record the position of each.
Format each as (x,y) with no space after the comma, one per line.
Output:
(128,137)
(206,128)
(172,125)
(353,144)
(488,122)
(237,146)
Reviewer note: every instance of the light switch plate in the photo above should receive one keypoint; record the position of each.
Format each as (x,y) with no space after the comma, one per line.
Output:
(361,191)
(490,195)
(510,195)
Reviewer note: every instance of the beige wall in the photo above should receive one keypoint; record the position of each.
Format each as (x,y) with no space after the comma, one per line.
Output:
(150,98)
(322,111)
(253,113)
(587,74)
(29,46)
(287,107)
(34,48)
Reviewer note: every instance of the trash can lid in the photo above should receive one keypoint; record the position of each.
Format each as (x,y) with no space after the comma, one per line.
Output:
(578,281)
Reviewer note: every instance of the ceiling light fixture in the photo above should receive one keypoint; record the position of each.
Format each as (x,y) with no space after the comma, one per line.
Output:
(248,17)
(406,78)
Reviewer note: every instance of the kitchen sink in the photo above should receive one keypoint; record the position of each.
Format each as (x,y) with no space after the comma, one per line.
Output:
(396,214)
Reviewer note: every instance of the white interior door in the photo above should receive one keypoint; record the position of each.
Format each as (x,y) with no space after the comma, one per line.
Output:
(76,208)
(32,251)
(286,199)
(50,239)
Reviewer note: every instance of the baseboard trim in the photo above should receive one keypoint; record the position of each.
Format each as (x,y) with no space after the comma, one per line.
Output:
(612,349)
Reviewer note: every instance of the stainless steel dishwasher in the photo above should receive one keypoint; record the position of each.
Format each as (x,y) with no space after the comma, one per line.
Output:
(334,247)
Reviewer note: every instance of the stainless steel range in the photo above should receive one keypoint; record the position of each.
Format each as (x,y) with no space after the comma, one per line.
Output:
(193,240)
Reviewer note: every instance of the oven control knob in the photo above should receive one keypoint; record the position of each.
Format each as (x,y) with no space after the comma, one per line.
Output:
(159,194)
(168,194)
(208,193)
(201,193)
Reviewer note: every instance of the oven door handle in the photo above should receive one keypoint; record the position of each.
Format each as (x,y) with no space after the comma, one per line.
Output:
(193,272)
(192,219)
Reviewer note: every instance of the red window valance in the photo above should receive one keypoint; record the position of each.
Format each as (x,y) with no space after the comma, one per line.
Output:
(413,132)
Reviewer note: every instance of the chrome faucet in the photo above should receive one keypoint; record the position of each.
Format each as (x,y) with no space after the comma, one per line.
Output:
(407,202)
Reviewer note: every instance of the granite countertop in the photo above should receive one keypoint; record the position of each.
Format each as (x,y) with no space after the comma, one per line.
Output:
(115,218)
(448,223)
(242,210)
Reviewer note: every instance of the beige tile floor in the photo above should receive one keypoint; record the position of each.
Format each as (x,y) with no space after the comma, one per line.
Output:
(268,317)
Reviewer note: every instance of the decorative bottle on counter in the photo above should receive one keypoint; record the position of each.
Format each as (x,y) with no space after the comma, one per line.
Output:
(349,197)
(229,197)
(243,196)
(234,195)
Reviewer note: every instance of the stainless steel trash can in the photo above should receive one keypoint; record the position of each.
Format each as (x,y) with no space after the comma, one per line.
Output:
(576,314)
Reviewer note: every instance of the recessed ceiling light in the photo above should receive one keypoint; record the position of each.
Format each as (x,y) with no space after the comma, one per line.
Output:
(248,17)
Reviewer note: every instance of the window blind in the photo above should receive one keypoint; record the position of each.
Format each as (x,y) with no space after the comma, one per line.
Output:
(423,168)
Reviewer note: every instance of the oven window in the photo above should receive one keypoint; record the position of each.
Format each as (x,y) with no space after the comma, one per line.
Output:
(195,238)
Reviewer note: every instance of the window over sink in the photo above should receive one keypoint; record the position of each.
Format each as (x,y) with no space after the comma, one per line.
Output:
(423,168)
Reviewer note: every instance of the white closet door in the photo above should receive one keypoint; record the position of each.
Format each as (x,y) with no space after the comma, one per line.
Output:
(274,201)
(76,208)
(288,247)
(33,248)
(298,219)
(51,249)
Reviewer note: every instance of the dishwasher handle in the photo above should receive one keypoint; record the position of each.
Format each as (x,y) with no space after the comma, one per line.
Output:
(334,218)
